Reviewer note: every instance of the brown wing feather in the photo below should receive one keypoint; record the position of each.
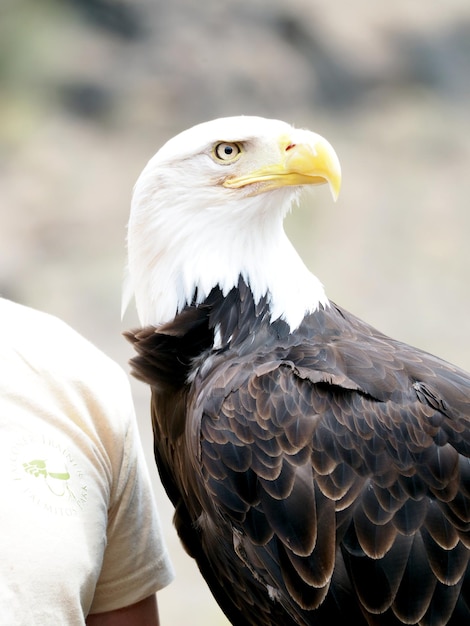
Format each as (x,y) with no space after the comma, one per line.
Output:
(318,453)
(317,477)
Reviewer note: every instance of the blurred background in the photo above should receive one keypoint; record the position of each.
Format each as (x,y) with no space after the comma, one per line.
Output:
(89,90)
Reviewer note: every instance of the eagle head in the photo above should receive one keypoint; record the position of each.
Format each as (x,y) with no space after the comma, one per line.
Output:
(208,209)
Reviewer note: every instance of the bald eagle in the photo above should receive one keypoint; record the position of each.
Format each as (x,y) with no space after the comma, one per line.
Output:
(319,469)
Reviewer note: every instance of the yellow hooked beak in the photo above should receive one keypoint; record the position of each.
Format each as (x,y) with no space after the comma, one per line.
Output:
(305,163)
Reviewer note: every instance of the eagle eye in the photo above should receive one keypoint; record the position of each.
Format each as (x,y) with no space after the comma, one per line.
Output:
(227,151)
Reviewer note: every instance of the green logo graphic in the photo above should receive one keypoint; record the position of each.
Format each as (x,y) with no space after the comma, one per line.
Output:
(49,475)
(38,467)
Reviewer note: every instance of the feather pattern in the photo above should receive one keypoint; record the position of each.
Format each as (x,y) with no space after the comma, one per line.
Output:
(317,475)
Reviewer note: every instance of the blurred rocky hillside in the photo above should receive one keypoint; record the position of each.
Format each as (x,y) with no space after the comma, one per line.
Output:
(89,89)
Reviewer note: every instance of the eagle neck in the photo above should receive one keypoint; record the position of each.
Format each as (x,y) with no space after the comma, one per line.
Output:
(171,263)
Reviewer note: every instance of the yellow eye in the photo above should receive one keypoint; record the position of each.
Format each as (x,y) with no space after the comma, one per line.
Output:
(226,151)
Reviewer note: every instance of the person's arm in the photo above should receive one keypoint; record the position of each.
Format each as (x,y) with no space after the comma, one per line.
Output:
(143,613)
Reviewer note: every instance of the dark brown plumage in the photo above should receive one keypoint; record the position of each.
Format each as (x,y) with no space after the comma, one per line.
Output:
(318,475)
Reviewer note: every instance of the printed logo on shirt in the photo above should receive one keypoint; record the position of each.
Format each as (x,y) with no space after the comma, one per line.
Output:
(48,474)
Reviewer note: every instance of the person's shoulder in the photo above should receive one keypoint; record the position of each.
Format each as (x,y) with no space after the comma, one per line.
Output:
(54,345)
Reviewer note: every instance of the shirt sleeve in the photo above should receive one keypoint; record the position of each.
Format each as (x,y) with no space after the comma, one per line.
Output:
(136,562)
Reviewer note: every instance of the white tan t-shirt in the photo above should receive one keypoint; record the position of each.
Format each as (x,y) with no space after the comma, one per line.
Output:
(79,531)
